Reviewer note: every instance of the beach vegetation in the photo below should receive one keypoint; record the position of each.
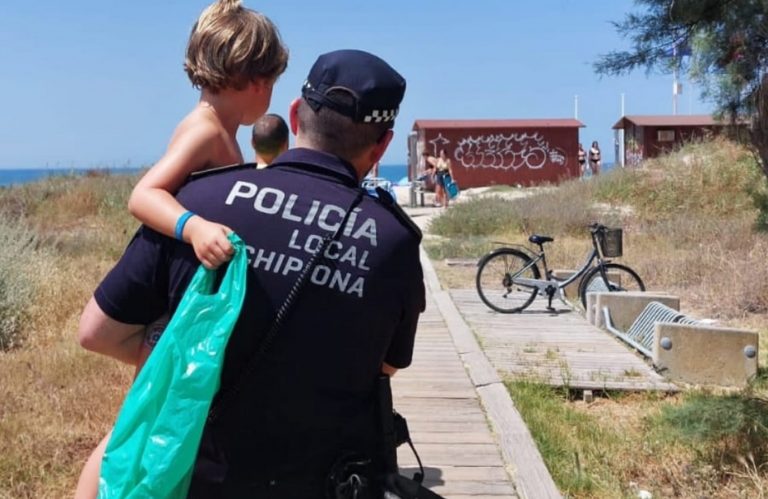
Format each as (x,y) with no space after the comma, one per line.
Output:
(699,444)
(690,224)
(58,237)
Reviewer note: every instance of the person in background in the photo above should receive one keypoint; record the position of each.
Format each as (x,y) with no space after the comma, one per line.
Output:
(311,400)
(442,172)
(582,161)
(594,158)
(269,138)
(427,169)
(234,56)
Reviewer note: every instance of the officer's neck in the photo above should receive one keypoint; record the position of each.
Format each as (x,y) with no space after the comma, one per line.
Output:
(362,164)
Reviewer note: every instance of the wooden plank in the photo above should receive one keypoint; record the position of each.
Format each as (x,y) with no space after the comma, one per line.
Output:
(446,420)
(531,477)
(558,349)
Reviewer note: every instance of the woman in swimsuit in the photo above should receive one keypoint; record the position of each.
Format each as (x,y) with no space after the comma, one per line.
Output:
(594,158)
(442,171)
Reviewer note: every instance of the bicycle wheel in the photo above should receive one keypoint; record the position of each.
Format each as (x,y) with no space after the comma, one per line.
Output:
(620,278)
(494,280)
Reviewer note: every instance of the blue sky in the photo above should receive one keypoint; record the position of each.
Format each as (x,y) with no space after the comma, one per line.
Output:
(90,83)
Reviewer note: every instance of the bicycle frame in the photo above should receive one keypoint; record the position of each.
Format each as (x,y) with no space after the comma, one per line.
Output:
(549,285)
(545,285)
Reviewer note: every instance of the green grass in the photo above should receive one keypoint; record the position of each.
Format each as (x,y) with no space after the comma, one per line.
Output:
(698,445)
(573,445)
(722,429)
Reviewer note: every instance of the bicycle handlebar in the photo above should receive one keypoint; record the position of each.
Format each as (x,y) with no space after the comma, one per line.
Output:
(596,227)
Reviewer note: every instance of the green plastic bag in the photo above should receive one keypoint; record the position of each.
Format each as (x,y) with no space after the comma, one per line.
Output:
(153,446)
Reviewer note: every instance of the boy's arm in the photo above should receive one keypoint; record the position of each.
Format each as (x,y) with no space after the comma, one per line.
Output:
(152,201)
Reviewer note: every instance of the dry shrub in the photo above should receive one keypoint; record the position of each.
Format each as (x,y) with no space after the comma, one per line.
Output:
(21,259)
(567,209)
(62,202)
(56,400)
(481,216)
(712,178)
(57,403)
(716,265)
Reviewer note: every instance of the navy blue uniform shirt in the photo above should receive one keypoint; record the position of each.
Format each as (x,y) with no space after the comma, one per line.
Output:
(312,396)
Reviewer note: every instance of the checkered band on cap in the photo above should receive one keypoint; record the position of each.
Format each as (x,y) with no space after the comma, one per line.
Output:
(380,116)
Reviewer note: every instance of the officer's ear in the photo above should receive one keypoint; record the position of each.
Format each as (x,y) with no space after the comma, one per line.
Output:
(293,115)
(380,147)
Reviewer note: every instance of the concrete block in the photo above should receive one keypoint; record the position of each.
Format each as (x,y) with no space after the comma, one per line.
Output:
(626,306)
(591,307)
(705,354)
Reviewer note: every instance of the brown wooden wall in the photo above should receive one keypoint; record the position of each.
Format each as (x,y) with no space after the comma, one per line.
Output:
(654,148)
(505,156)
(642,142)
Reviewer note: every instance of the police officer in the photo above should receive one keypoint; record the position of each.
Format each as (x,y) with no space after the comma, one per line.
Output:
(311,398)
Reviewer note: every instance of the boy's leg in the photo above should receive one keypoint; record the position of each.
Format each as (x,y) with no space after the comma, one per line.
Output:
(88,483)
(151,337)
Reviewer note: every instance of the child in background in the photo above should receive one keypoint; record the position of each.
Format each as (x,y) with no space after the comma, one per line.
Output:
(234,55)
(269,138)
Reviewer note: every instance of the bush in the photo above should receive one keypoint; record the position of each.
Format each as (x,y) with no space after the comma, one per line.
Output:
(558,211)
(722,428)
(17,289)
(484,216)
(712,178)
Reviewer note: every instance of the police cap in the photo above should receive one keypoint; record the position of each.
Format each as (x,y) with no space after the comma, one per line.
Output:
(356,84)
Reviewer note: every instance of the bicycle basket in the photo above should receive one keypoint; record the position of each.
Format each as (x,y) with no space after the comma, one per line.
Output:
(611,242)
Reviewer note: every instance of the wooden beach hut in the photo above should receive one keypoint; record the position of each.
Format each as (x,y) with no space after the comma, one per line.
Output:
(650,136)
(499,152)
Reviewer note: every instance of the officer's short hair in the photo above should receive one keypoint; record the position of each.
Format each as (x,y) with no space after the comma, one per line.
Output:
(350,100)
(334,133)
(269,135)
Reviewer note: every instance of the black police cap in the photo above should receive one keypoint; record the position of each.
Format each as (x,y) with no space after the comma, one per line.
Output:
(356,84)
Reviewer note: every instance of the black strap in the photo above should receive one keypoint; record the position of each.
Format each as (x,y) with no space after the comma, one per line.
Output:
(225,396)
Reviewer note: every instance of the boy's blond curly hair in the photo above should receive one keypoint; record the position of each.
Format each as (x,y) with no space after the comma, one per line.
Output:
(231,46)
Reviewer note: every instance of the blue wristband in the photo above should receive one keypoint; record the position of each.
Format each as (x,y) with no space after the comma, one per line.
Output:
(181,222)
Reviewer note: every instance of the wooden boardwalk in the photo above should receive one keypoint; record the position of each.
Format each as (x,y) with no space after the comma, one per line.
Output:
(448,426)
(560,348)
(472,440)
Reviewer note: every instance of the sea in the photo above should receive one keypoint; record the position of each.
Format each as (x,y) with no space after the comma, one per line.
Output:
(397,174)
(17,176)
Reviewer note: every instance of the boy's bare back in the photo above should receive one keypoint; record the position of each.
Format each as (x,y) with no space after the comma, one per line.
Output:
(235,68)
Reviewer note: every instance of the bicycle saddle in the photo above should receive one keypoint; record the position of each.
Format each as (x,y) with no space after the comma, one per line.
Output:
(537,239)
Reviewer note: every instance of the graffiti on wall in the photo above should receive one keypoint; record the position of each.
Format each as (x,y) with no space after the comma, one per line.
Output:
(438,143)
(634,152)
(512,151)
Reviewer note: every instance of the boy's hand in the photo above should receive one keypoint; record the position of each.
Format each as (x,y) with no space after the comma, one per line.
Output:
(209,240)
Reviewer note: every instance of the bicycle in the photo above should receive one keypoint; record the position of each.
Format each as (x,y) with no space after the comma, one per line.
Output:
(508,279)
